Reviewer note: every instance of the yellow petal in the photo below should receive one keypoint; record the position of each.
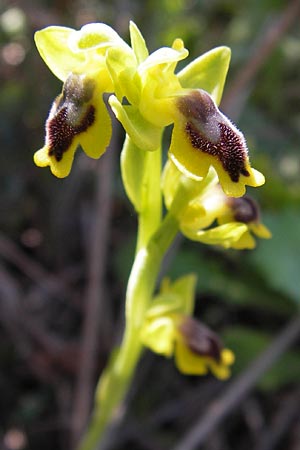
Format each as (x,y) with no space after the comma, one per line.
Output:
(246,241)
(207,72)
(227,357)
(96,138)
(261,230)
(52,44)
(158,335)
(60,169)
(220,368)
(226,235)
(188,362)
(96,37)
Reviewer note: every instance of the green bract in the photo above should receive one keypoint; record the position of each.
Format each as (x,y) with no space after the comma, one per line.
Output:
(207,72)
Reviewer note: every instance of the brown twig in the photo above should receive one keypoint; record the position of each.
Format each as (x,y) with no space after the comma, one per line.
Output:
(31,268)
(94,296)
(235,96)
(239,388)
(286,414)
(43,351)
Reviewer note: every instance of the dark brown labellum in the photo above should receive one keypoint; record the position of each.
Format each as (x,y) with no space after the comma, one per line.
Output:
(245,209)
(70,115)
(200,339)
(61,133)
(209,131)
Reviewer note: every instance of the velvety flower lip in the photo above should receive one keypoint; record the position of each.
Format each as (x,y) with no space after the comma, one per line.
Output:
(78,117)
(203,136)
(70,115)
(200,339)
(198,350)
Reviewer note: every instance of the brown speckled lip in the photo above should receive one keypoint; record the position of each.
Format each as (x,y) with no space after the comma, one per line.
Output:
(210,132)
(70,114)
(200,339)
(61,134)
(198,105)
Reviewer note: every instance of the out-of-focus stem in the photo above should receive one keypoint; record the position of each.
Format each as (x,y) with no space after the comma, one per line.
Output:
(116,379)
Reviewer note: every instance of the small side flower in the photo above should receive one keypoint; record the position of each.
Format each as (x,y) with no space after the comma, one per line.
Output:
(198,350)
(170,330)
(245,210)
(205,214)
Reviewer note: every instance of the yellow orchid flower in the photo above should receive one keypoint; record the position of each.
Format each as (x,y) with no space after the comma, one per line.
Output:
(170,330)
(238,219)
(149,86)
(238,223)
(196,349)
(204,137)
(245,210)
(78,115)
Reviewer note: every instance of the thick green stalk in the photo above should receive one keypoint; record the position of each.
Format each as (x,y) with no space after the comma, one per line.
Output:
(141,175)
(153,240)
(150,214)
(115,381)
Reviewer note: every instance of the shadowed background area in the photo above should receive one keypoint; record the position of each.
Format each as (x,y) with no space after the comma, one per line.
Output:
(66,246)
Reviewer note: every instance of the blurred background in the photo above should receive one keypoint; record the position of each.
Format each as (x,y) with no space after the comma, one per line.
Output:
(66,246)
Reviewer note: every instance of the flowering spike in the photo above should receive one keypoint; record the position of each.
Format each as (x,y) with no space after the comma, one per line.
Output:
(207,153)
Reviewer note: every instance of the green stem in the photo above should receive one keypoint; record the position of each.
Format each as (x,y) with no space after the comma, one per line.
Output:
(141,175)
(116,379)
(150,214)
